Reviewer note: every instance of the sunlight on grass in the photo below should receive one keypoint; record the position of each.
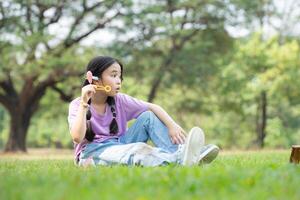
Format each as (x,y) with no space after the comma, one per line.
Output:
(238,175)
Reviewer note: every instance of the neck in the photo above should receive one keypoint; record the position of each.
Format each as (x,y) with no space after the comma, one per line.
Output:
(99,98)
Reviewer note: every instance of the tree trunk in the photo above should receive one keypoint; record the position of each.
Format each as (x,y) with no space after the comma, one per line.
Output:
(160,75)
(18,130)
(21,108)
(154,88)
(261,120)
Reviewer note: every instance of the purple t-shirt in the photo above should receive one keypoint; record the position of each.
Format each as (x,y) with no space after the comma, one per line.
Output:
(127,108)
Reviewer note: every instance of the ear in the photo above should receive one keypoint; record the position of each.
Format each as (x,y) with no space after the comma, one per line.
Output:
(89,76)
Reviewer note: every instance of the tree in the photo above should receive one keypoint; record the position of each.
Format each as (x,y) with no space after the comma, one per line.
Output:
(166,37)
(257,72)
(257,15)
(34,59)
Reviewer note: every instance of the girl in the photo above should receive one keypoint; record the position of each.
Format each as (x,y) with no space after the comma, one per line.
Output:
(98,125)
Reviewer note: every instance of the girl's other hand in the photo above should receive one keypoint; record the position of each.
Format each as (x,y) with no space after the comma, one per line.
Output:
(177,134)
(87,92)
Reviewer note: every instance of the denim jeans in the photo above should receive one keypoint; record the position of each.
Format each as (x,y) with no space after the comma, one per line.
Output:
(131,148)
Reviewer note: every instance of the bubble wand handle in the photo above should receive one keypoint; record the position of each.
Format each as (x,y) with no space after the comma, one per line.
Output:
(106,88)
(90,78)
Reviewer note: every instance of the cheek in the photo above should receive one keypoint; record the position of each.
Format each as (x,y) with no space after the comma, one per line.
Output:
(108,80)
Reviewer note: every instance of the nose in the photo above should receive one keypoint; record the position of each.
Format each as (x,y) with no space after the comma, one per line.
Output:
(118,81)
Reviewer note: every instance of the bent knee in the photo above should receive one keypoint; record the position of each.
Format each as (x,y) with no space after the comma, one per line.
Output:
(147,114)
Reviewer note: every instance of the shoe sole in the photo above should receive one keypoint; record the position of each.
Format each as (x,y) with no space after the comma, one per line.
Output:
(194,142)
(209,155)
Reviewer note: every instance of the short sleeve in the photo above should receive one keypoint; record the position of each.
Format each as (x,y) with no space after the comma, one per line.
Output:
(133,107)
(73,109)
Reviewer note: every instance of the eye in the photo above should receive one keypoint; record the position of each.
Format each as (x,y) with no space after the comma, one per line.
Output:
(115,75)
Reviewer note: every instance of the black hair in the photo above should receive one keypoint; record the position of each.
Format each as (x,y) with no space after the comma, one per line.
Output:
(97,65)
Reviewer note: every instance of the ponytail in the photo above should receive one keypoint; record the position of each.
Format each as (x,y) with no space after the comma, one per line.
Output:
(89,134)
(113,127)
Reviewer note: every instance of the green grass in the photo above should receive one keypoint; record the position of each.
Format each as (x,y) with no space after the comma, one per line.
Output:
(246,175)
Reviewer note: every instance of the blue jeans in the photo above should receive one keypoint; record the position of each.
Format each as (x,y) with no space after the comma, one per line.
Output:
(131,148)
(148,126)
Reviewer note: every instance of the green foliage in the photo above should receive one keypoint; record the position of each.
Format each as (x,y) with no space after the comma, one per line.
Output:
(213,80)
(258,66)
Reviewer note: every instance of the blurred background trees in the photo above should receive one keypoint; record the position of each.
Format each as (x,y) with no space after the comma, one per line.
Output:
(231,67)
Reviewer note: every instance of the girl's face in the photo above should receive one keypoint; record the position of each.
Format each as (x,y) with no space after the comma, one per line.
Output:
(112,77)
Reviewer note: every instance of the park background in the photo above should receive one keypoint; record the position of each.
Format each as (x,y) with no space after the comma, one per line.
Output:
(228,66)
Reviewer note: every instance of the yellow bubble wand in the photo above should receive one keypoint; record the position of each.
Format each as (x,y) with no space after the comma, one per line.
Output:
(90,78)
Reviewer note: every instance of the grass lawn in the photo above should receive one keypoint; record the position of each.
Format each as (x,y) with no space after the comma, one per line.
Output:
(234,175)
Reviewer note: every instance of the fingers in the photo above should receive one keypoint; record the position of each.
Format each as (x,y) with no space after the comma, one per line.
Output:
(177,134)
(178,138)
(175,140)
(88,91)
(91,91)
(89,87)
(182,136)
(183,132)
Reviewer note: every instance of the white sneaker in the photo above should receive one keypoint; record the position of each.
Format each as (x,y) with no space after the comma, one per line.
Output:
(208,153)
(192,147)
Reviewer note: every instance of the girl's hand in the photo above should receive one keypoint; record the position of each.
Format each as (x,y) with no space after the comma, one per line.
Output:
(87,92)
(177,134)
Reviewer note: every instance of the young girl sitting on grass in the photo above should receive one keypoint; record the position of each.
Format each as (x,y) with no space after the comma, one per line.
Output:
(98,125)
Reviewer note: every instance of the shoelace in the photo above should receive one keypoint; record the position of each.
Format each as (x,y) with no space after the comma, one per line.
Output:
(179,153)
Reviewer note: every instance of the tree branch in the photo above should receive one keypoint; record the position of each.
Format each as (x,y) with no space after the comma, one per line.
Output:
(55,77)
(187,38)
(5,100)
(2,21)
(69,43)
(28,17)
(58,13)
(41,16)
(63,96)
(10,98)
(184,18)
(79,18)
(7,86)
